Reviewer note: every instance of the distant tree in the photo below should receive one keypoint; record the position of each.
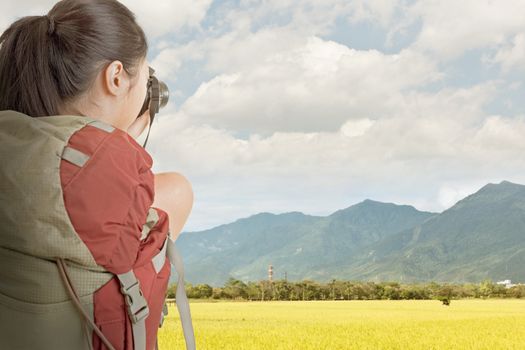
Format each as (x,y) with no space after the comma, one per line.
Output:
(172,290)
(310,290)
(392,291)
(433,287)
(282,290)
(486,288)
(347,290)
(200,291)
(253,291)
(218,293)
(296,292)
(469,290)
(339,288)
(266,289)
(445,294)
(331,287)
(235,289)
(516,291)
(499,291)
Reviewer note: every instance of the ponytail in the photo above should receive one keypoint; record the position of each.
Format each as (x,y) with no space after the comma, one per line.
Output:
(49,61)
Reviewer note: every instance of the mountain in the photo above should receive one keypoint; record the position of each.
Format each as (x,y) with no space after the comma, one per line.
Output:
(481,236)
(303,246)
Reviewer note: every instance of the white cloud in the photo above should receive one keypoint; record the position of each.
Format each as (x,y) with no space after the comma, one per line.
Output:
(157,18)
(162,17)
(501,138)
(450,194)
(168,61)
(357,127)
(381,12)
(13,10)
(326,125)
(511,56)
(313,85)
(450,28)
(451,140)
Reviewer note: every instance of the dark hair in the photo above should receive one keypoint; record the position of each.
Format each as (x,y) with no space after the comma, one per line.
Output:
(48,61)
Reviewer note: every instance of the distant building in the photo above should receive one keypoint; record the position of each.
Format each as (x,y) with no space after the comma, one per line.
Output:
(506,283)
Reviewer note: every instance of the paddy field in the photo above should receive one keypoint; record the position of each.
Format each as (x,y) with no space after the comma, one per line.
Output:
(358,324)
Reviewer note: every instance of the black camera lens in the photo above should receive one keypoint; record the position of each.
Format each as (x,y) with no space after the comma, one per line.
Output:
(157,95)
(164,93)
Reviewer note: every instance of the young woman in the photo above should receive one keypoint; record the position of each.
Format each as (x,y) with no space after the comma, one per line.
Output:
(85,58)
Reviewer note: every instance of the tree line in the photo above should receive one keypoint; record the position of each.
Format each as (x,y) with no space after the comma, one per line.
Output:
(347,290)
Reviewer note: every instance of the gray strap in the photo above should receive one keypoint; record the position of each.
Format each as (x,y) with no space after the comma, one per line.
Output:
(151,220)
(74,156)
(102,125)
(181,299)
(138,308)
(159,259)
(139,335)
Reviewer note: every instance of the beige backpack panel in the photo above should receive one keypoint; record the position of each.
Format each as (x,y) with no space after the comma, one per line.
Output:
(33,217)
(31,326)
(35,309)
(37,280)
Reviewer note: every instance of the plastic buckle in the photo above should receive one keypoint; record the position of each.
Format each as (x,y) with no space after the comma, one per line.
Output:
(140,315)
(137,306)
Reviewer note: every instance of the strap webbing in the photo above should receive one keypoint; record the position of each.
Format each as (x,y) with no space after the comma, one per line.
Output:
(138,308)
(180,297)
(102,125)
(74,156)
(159,259)
(151,220)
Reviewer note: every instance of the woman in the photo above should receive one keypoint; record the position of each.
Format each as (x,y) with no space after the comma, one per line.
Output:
(83,59)
(86,60)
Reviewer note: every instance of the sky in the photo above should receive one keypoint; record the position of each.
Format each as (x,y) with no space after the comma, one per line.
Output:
(313,106)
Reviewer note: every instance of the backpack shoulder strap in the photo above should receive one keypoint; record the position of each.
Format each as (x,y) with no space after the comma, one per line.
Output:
(180,295)
(170,251)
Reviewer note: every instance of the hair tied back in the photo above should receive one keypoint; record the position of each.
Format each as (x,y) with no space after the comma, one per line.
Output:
(51,22)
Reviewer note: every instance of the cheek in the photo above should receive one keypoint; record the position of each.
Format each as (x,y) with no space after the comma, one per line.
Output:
(141,96)
(135,104)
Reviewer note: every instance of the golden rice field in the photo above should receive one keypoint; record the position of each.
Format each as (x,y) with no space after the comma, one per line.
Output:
(360,324)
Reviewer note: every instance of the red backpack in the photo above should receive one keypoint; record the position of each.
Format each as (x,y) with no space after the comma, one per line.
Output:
(87,258)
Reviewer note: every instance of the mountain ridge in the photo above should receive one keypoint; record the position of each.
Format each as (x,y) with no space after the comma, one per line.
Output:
(478,237)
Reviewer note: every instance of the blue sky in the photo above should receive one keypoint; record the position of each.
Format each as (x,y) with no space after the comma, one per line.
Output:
(316,105)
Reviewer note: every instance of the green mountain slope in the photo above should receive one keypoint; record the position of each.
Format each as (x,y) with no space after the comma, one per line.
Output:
(481,236)
(301,245)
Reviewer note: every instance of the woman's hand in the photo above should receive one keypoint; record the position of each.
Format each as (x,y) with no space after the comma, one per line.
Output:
(138,126)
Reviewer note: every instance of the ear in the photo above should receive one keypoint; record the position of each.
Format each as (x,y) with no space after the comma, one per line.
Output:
(116,79)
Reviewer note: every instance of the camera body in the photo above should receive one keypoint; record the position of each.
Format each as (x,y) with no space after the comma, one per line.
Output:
(157,96)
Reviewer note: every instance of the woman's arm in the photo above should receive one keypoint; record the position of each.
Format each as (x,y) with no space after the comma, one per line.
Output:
(174,195)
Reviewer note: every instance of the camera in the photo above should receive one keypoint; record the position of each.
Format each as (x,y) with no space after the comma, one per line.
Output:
(157,97)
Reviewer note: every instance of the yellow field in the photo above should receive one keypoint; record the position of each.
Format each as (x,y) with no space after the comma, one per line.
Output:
(360,324)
